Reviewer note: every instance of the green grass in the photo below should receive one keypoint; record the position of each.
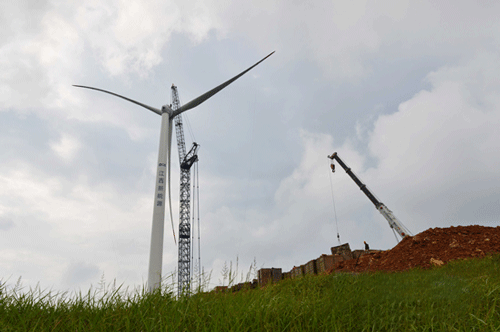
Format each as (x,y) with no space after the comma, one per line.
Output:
(461,296)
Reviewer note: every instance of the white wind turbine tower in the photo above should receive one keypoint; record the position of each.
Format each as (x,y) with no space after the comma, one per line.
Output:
(163,172)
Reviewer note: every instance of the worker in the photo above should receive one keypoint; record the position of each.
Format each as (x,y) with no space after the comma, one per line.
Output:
(367,247)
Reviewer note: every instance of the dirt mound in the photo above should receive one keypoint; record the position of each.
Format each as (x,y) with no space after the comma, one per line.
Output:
(435,246)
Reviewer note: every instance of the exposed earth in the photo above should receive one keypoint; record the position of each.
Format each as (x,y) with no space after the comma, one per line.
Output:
(433,247)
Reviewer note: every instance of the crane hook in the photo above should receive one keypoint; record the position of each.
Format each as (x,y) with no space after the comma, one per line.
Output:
(332,165)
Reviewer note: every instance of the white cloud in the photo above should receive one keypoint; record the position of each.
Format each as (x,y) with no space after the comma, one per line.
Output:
(67,147)
(5,223)
(32,265)
(128,36)
(344,37)
(80,273)
(436,152)
(61,218)
(37,65)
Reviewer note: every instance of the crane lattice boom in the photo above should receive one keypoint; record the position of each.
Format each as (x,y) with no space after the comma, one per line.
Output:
(185,162)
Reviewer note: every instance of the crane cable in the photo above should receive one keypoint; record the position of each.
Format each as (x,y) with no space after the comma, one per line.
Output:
(188,125)
(393,231)
(334,209)
(198,217)
(193,200)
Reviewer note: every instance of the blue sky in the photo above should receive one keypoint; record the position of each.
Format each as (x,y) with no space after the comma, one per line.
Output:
(405,91)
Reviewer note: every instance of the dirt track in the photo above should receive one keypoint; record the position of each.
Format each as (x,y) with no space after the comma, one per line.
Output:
(435,246)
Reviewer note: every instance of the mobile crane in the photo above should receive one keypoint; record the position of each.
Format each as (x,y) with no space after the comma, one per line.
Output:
(394,222)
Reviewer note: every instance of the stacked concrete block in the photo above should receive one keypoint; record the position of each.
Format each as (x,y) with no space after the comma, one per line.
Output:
(272,275)
(264,276)
(343,250)
(297,272)
(320,265)
(310,267)
(325,263)
(277,275)
(241,286)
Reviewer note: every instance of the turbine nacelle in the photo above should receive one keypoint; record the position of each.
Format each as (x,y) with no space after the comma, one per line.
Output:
(167,109)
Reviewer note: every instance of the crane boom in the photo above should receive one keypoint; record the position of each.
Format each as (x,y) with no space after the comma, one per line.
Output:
(394,222)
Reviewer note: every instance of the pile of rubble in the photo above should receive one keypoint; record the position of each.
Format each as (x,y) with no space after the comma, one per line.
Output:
(435,246)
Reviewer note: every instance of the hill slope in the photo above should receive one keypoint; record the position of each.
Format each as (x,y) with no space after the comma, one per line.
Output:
(435,246)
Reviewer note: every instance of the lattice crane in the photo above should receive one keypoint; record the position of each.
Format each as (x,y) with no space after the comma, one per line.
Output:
(186,160)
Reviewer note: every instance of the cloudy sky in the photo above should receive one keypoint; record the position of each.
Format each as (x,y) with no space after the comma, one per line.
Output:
(407,93)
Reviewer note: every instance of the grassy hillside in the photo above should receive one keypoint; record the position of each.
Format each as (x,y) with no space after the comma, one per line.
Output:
(461,296)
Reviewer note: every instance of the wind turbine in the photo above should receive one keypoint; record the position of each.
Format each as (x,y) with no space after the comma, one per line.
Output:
(163,172)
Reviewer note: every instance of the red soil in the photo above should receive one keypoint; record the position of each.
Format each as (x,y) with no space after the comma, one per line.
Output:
(435,246)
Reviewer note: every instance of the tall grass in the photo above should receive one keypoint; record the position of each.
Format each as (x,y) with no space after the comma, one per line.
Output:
(461,296)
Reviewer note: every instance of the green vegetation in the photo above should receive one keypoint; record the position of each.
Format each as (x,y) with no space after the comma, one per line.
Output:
(461,296)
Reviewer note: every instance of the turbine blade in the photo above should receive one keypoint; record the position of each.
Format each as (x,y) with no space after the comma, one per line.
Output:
(168,170)
(155,110)
(197,101)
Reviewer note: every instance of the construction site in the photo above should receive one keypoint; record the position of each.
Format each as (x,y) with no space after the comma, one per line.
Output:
(429,249)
